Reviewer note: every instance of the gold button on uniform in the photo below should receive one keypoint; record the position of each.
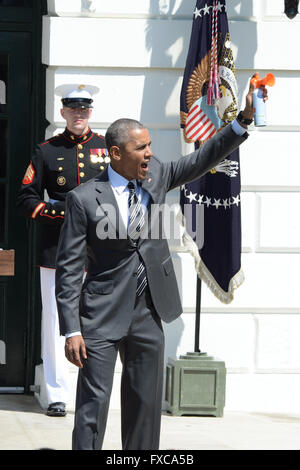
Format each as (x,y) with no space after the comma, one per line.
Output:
(81,164)
(81,174)
(81,155)
(80,146)
(62,213)
(60,168)
(53,212)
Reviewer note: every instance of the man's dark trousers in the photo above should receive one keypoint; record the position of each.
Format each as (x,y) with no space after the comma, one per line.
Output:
(142,353)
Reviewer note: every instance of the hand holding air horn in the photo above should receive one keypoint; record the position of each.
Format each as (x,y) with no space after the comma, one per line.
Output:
(260,116)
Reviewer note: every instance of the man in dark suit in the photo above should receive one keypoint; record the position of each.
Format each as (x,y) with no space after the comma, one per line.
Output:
(130,285)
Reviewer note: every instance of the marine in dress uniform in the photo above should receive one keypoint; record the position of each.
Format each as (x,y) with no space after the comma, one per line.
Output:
(58,165)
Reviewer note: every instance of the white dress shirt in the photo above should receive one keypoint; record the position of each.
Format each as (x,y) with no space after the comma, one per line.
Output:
(120,189)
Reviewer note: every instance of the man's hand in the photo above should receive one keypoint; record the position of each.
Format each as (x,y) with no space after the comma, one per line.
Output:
(75,350)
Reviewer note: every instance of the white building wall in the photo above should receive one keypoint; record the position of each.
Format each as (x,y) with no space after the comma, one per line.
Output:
(135,52)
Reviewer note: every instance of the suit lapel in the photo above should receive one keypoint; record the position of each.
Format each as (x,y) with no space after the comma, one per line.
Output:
(107,203)
(148,185)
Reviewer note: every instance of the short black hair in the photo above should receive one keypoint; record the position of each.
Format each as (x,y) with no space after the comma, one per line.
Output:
(117,133)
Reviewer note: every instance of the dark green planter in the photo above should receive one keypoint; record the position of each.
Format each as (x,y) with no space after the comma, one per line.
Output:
(195,385)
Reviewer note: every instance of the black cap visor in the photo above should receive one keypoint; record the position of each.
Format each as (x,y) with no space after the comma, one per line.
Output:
(77,102)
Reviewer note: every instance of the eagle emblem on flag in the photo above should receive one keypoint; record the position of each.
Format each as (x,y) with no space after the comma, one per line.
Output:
(203,120)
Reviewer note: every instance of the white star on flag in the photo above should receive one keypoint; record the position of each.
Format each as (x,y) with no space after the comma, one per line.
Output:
(197,12)
(206,9)
(236,200)
(220,6)
(226,203)
(217,203)
(192,197)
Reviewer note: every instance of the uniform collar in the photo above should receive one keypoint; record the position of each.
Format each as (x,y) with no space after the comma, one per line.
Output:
(78,139)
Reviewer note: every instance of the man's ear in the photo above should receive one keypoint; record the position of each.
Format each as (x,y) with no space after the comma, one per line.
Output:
(115,153)
(62,113)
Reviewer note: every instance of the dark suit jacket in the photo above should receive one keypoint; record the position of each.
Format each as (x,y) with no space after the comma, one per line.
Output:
(103,305)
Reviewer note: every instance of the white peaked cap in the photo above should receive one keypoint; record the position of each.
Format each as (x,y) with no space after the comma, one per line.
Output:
(74,93)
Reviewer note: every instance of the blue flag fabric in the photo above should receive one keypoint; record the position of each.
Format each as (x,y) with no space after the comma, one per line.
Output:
(209,102)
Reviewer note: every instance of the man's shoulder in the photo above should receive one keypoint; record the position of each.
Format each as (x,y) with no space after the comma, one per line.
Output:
(47,147)
(155,163)
(97,135)
(99,139)
(52,140)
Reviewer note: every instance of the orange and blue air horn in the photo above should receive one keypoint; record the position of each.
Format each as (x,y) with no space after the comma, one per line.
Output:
(260,115)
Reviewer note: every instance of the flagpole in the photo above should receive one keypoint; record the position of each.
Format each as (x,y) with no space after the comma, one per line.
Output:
(197,322)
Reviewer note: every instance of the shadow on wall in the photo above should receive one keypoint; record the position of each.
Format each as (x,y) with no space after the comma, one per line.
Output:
(244,45)
(88,6)
(168,52)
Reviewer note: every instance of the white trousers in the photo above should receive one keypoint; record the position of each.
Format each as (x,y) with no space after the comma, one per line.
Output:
(55,363)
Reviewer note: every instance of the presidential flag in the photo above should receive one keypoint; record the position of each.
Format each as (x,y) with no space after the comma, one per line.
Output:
(209,102)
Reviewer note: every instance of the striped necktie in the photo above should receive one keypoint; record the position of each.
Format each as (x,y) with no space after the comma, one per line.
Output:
(135,225)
